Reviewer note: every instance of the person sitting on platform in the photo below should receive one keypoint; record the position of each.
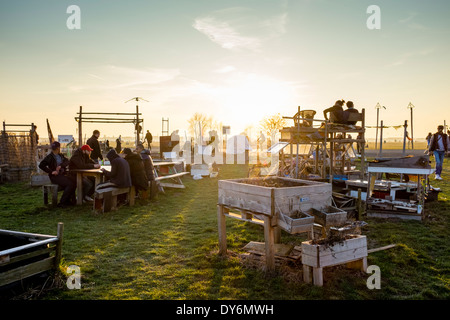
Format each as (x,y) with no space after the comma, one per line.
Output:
(55,164)
(336,112)
(350,109)
(81,160)
(137,170)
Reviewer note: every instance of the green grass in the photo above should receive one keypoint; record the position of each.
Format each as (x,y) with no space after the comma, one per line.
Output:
(167,249)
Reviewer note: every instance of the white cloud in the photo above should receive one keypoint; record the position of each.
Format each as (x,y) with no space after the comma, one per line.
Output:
(241,28)
(224,35)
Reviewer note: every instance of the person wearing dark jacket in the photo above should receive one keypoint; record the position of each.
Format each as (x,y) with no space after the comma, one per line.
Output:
(55,164)
(345,115)
(95,146)
(439,146)
(137,170)
(148,162)
(81,160)
(336,110)
(119,176)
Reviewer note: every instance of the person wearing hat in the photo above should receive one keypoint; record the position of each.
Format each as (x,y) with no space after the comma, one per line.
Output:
(439,146)
(56,165)
(149,168)
(95,146)
(137,171)
(81,160)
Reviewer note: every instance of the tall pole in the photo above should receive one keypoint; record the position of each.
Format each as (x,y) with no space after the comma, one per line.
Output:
(80,128)
(411,107)
(381,139)
(404,136)
(378,106)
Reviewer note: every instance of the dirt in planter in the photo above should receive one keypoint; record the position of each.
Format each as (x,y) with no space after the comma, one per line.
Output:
(332,239)
(272,183)
(297,214)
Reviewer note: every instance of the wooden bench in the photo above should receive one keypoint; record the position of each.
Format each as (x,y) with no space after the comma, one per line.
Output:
(175,176)
(53,190)
(109,198)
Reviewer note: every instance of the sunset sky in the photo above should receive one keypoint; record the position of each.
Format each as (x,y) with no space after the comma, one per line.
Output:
(237,61)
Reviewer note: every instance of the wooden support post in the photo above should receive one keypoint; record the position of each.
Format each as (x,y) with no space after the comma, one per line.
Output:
(58,253)
(359,205)
(222,230)
(269,243)
(318,276)
(132,196)
(79,188)
(307,273)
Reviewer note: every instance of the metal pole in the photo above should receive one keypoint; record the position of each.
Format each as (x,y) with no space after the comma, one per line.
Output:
(381,139)
(80,134)
(404,136)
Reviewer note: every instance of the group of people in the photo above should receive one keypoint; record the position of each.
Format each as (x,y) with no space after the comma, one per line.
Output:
(128,169)
(339,115)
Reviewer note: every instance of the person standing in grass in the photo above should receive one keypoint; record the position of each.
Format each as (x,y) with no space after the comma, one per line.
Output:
(439,146)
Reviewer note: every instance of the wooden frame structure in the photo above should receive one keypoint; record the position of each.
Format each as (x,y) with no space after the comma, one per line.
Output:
(42,253)
(109,117)
(330,142)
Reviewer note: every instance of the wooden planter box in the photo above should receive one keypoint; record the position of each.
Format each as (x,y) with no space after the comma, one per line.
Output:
(316,256)
(329,216)
(270,196)
(23,255)
(303,223)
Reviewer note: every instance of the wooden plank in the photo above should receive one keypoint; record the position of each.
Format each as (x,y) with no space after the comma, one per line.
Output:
(390,214)
(28,246)
(381,248)
(171,176)
(172,185)
(28,270)
(260,247)
(9,260)
(114,191)
(239,217)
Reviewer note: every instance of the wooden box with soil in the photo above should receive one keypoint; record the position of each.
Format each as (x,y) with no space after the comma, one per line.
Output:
(297,222)
(331,251)
(273,195)
(329,216)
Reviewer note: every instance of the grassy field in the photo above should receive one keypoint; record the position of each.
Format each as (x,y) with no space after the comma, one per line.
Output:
(167,249)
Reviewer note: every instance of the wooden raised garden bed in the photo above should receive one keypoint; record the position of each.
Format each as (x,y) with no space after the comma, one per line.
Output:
(317,254)
(276,194)
(23,255)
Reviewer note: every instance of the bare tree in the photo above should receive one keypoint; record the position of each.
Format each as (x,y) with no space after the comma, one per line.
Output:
(272,124)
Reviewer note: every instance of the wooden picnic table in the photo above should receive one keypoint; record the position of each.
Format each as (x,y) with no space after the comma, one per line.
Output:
(172,174)
(97,173)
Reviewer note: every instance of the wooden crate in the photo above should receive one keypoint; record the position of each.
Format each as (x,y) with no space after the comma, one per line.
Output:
(290,196)
(329,216)
(316,256)
(296,225)
(23,255)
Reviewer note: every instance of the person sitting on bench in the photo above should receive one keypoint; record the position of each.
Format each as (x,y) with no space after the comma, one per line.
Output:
(55,164)
(119,176)
(81,160)
(137,170)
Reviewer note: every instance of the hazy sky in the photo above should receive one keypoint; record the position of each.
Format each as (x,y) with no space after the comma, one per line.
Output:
(237,61)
